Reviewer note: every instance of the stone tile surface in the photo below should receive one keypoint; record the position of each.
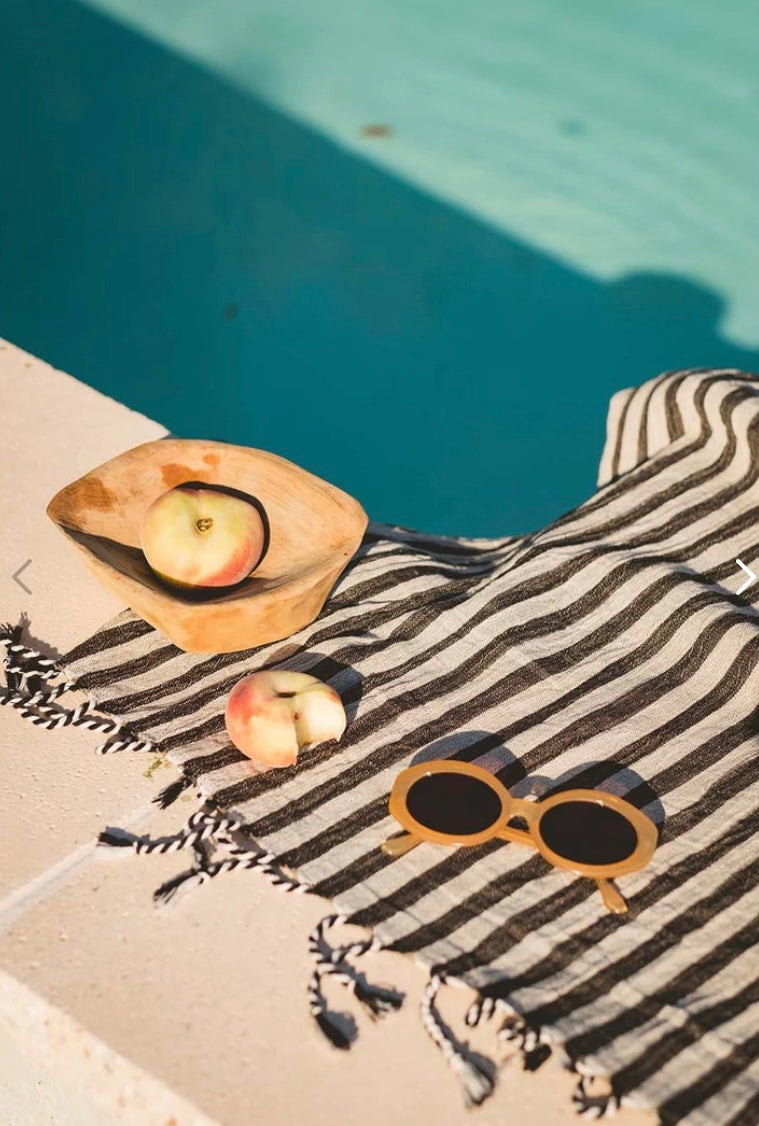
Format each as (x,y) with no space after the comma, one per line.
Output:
(54,792)
(56,1073)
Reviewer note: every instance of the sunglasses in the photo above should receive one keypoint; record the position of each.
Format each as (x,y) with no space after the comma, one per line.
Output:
(585,831)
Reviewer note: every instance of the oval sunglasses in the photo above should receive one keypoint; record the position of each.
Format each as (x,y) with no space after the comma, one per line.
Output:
(589,832)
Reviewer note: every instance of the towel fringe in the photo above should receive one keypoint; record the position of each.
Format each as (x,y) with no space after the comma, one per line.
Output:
(23,663)
(206,831)
(477,1084)
(26,670)
(483,1008)
(241,859)
(334,1034)
(532,1060)
(127,742)
(532,1048)
(174,790)
(40,710)
(200,826)
(594,1107)
(332,962)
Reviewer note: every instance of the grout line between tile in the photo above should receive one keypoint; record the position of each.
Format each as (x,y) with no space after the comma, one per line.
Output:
(49,882)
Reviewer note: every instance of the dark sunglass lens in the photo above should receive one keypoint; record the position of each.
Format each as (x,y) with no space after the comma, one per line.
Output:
(453,803)
(588,833)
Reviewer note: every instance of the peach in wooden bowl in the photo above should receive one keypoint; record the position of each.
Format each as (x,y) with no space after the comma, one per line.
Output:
(310,531)
(195,536)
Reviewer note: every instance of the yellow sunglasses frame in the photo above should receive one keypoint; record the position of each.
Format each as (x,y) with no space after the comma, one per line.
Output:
(532,812)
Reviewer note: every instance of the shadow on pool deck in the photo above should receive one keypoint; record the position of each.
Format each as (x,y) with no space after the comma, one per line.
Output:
(183,247)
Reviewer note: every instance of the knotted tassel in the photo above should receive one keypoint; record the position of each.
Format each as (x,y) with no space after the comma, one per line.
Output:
(484,1008)
(533,1051)
(377,1000)
(174,790)
(204,831)
(17,679)
(326,1021)
(200,826)
(239,858)
(333,962)
(126,741)
(188,881)
(532,1048)
(534,1059)
(40,710)
(476,1082)
(594,1106)
(22,663)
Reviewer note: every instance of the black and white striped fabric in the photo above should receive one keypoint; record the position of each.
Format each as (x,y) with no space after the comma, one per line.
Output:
(610,650)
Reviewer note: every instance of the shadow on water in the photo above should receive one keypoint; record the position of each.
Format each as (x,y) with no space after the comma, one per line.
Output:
(183,247)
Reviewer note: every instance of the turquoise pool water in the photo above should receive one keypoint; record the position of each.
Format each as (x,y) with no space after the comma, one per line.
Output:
(561,202)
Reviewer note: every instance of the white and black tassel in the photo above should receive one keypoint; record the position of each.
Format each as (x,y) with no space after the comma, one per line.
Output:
(40,710)
(200,826)
(239,857)
(39,707)
(125,742)
(482,1009)
(475,1080)
(327,1021)
(593,1107)
(174,790)
(533,1050)
(332,962)
(22,663)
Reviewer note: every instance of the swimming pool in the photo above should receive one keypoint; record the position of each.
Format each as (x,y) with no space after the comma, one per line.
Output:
(432,313)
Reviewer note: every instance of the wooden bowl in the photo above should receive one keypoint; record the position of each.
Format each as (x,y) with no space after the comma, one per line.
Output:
(313,530)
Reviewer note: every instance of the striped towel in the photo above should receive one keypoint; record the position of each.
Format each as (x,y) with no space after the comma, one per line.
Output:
(611,649)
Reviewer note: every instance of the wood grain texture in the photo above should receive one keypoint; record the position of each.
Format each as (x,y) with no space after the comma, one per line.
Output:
(314,529)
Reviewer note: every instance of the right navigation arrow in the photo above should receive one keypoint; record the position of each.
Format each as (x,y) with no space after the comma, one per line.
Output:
(751,577)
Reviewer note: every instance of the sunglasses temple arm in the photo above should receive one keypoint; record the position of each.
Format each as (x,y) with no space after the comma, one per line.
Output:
(398,846)
(613,900)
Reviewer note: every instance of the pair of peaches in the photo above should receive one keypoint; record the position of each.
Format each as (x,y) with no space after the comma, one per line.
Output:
(201,538)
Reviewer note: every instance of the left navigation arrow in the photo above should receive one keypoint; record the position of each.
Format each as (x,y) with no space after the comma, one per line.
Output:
(16,578)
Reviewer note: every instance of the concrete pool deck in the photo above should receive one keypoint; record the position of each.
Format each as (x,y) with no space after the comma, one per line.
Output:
(111,1011)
